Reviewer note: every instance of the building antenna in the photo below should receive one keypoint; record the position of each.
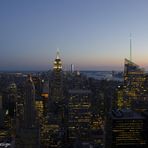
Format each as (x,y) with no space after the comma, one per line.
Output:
(130,47)
(58,54)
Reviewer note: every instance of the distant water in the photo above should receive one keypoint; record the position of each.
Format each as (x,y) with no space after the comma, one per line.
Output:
(104,75)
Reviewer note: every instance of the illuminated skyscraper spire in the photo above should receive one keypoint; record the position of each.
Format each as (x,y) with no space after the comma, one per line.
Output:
(55,91)
(55,103)
(57,62)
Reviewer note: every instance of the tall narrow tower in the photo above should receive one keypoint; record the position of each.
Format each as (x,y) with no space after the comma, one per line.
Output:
(56,107)
(27,135)
(29,104)
(56,90)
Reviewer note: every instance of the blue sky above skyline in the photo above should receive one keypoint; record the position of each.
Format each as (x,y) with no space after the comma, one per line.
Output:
(91,34)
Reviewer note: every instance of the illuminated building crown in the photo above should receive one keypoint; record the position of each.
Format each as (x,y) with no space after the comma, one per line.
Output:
(57,62)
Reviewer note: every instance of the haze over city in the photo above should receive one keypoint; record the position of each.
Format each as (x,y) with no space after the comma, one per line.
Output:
(91,34)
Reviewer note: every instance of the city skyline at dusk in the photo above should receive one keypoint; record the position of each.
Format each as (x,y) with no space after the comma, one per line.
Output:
(92,35)
(74,73)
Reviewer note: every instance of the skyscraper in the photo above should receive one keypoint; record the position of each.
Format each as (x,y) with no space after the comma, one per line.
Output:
(29,104)
(132,90)
(127,129)
(56,105)
(27,135)
(55,89)
(79,116)
(72,68)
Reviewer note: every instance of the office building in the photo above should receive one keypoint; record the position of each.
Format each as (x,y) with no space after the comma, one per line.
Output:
(127,130)
(27,135)
(79,116)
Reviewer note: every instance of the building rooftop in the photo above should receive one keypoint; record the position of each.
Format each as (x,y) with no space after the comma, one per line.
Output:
(79,91)
(126,114)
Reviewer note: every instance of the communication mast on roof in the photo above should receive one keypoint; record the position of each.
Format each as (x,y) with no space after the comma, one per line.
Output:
(130,47)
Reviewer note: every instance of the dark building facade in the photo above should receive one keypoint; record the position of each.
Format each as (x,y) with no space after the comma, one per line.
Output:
(127,130)
(27,134)
(79,116)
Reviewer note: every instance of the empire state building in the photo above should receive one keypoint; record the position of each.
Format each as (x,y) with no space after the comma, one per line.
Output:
(56,86)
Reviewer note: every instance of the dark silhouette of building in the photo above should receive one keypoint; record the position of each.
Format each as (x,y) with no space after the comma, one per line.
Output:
(27,135)
(126,130)
(79,116)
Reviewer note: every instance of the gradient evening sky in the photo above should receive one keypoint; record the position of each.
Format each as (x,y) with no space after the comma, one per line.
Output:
(91,34)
